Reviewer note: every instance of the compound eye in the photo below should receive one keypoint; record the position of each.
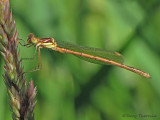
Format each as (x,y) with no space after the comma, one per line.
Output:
(30,35)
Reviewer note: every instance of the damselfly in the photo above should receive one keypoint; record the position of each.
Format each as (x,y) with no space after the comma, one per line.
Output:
(93,55)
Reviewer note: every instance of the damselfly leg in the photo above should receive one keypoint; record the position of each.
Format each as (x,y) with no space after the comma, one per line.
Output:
(39,66)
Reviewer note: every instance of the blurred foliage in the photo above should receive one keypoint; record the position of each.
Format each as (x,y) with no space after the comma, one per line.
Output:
(72,89)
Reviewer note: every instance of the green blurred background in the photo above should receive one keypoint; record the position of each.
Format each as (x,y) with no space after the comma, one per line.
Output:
(72,89)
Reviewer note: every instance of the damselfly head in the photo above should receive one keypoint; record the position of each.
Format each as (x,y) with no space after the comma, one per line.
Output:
(31,39)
